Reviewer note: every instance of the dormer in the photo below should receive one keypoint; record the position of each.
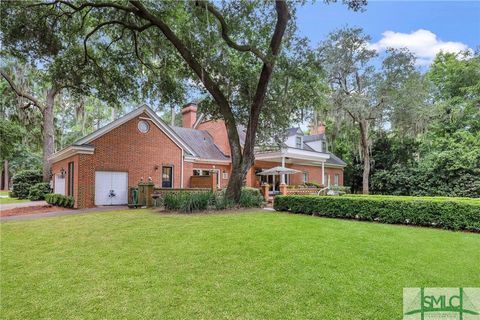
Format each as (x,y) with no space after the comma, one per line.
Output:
(295,138)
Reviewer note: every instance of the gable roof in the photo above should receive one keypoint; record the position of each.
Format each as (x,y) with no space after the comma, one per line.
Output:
(131,115)
(294,131)
(201,142)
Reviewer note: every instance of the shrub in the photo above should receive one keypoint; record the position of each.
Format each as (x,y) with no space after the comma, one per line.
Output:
(313,184)
(447,213)
(59,200)
(250,197)
(23,181)
(39,190)
(187,201)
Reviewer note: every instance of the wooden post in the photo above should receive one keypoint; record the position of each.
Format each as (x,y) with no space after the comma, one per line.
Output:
(283,189)
(265,188)
(148,192)
(214,180)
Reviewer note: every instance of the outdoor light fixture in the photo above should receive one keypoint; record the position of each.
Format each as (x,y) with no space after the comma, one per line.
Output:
(62,173)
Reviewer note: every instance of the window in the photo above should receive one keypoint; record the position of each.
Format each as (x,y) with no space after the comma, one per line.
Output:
(325,177)
(143,126)
(200,172)
(298,142)
(324,146)
(305,176)
(167,177)
(225,175)
(336,179)
(70,178)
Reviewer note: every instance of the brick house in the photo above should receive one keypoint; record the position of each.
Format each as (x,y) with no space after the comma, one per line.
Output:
(99,168)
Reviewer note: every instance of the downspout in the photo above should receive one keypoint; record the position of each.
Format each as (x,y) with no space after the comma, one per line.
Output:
(181,170)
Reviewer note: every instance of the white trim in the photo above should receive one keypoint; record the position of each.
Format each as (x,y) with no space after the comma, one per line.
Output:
(214,161)
(71,151)
(131,115)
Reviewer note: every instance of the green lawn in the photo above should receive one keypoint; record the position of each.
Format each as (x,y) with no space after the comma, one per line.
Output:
(254,265)
(8,199)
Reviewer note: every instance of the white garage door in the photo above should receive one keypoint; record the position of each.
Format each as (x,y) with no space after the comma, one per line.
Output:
(59,186)
(111,188)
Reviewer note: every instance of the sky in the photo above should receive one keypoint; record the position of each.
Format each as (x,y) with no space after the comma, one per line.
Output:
(424,27)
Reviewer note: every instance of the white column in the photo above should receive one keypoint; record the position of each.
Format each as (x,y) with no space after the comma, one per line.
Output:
(283,165)
(323,172)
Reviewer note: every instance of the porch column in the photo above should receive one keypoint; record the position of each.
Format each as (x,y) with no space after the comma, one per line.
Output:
(283,176)
(323,173)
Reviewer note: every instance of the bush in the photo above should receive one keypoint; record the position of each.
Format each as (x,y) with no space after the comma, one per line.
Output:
(39,190)
(250,198)
(59,200)
(447,213)
(23,181)
(188,201)
(313,184)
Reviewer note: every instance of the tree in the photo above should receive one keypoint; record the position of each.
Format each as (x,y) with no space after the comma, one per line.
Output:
(52,52)
(359,89)
(235,73)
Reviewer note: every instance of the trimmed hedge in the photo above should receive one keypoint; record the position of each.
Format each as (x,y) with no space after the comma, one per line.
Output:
(23,181)
(59,200)
(454,214)
(38,191)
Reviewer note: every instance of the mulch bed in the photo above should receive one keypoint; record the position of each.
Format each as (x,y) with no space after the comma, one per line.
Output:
(30,210)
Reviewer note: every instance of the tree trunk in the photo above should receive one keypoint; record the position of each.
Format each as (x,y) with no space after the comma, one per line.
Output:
(48,132)
(6,177)
(363,124)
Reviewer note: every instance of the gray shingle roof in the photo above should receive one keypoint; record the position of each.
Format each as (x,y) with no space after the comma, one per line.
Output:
(335,160)
(201,142)
(293,131)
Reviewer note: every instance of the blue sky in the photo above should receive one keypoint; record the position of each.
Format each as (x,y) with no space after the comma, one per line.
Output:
(423,26)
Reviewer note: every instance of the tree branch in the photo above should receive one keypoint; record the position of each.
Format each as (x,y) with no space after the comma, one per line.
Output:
(225,31)
(19,92)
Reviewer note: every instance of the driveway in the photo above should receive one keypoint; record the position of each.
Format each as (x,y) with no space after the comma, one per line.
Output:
(60,213)
(22,205)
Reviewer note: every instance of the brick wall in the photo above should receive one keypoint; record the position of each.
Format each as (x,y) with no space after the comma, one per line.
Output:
(63,164)
(126,149)
(218,131)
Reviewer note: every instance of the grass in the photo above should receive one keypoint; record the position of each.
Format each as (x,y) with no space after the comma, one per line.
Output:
(252,265)
(9,200)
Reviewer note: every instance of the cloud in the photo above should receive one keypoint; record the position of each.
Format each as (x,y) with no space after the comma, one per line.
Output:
(423,43)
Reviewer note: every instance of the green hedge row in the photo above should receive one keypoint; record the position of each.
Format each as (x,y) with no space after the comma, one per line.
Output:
(452,214)
(59,200)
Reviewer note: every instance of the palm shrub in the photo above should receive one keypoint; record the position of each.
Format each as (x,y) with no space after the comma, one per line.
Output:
(187,201)
(38,191)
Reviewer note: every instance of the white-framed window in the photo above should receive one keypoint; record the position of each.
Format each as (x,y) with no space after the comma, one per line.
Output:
(225,175)
(336,179)
(298,142)
(325,179)
(305,176)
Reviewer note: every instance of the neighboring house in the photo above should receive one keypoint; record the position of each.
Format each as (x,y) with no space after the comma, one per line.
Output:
(99,168)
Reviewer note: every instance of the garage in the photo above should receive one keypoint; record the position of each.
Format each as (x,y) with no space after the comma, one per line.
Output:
(111,188)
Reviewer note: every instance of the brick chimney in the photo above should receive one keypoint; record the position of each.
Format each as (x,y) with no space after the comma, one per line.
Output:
(319,128)
(189,115)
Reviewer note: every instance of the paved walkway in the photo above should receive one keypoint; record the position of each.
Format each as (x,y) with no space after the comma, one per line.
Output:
(22,205)
(35,216)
